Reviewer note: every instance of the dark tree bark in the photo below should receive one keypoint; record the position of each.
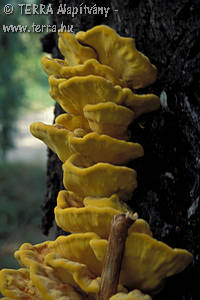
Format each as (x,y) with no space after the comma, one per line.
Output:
(168,175)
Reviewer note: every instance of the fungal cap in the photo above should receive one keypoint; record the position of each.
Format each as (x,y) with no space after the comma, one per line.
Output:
(65,143)
(140,226)
(55,137)
(60,69)
(27,253)
(133,295)
(49,286)
(54,91)
(72,122)
(76,247)
(99,245)
(141,104)
(84,219)
(16,284)
(72,50)
(73,247)
(53,66)
(152,261)
(68,199)
(6,298)
(73,94)
(82,277)
(149,260)
(113,201)
(99,180)
(120,54)
(109,118)
(97,148)
(90,67)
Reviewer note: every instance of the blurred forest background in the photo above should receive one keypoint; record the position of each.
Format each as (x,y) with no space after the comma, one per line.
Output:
(23,95)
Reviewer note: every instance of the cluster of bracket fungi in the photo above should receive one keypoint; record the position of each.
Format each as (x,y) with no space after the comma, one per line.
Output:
(94,84)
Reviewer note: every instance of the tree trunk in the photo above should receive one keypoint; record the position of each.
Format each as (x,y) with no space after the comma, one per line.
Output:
(168,175)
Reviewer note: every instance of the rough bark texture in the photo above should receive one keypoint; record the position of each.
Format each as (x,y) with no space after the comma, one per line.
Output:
(168,176)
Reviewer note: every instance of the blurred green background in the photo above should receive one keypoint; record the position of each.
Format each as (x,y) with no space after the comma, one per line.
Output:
(23,92)
(21,189)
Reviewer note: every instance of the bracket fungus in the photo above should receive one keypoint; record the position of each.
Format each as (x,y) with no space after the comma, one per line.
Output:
(74,52)
(60,69)
(150,260)
(95,219)
(95,213)
(96,147)
(38,283)
(95,85)
(74,93)
(72,122)
(16,284)
(133,295)
(120,53)
(101,179)
(109,118)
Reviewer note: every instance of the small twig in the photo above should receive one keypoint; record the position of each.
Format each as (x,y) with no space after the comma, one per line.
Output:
(114,254)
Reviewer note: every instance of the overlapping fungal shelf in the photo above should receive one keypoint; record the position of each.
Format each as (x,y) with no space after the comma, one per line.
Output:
(95,85)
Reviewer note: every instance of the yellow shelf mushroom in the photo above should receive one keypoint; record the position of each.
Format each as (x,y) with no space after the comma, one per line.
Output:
(109,118)
(95,213)
(77,260)
(74,93)
(56,138)
(60,69)
(99,180)
(72,50)
(120,54)
(16,284)
(96,147)
(49,286)
(94,85)
(95,219)
(70,258)
(75,247)
(148,261)
(133,295)
(37,284)
(113,201)
(72,122)
(53,66)
(82,277)
(94,88)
